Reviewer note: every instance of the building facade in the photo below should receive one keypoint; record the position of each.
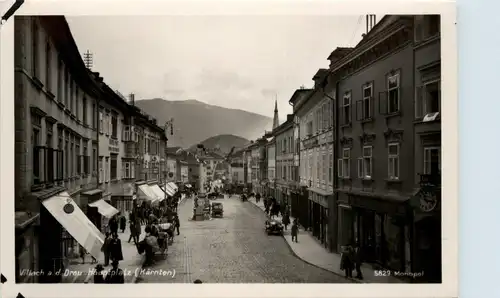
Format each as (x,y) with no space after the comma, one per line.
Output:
(236,168)
(285,168)
(426,227)
(316,159)
(70,148)
(372,186)
(271,169)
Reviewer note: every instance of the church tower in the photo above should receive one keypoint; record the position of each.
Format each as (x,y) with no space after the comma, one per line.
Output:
(276,121)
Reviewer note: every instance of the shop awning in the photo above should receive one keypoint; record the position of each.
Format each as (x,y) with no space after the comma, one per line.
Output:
(168,190)
(75,222)
(188,185)
(173,186)
(104,208)
(157,190)
(146,193)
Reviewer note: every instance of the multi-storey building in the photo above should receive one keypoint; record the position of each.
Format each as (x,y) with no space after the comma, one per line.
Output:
(236,168)
(372,186)
(285,168)
(426,248)
(271,168)
(55,142)
(316,156)
(66,118)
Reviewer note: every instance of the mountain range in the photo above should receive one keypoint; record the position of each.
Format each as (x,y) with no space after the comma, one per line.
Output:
(196,121)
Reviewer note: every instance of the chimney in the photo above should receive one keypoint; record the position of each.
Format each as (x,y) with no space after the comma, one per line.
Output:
(132,99)
(371,19)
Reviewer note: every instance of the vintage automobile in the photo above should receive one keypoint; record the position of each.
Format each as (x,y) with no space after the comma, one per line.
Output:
(274,227)
(217,209)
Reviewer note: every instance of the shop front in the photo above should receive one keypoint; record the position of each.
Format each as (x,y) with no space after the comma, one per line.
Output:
(427,246)
(318,216)
(381,226)
(295,202)
(304,216)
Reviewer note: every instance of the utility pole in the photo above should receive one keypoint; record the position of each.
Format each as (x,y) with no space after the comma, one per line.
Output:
(88,59)
(168,125)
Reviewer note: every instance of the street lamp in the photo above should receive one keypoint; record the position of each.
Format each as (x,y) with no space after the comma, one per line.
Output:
(168,125)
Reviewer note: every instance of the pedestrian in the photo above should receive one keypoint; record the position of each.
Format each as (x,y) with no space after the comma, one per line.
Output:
(115,248)
(82,252)
(358,259)
(286,221)
(346,261)
(151,243)
(106,248)
(115,275)
(295,232)
(133,232)
(177,223)
(257,198)
(123,223)
(98,277)
(113,225)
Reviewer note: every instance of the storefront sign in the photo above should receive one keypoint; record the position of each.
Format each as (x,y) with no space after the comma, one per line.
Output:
(309,143)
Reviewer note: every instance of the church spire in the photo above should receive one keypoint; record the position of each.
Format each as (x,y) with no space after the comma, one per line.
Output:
(276,121)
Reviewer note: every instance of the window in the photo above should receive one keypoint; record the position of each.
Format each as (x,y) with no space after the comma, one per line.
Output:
(284,145)
(113,167)
(77,103)
(35,49)
(319,117)
(101,170)
(86,159)
(284,173)
(309,129)
(393,161)
(330,163)
(101,121)
(393,93)
(428,99)
(432,160)
(110,123)
(426,27)
(346,108)
(37,155)
(94,116)
(344,164)
(325,115)
(84,111)
(78,158)
(365,105)
(94,160)
(114,126)
(365,163)
(48,67)
(126,133)
(70,96)
(66,87)
(325,165)
(60,85)
(106,169)
(128,169)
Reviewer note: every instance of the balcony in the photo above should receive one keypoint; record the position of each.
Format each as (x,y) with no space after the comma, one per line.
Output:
(48,165)
(433,179)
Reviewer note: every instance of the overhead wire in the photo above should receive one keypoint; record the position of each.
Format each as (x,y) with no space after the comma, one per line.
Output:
(360,19)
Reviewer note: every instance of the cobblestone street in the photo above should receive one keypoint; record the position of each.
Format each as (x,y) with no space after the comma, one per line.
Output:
(233,249)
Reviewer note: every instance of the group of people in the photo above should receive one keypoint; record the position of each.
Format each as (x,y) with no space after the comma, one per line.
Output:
(351,259)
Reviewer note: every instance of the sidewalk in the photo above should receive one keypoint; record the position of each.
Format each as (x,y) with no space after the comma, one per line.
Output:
(131,261)
(311,251)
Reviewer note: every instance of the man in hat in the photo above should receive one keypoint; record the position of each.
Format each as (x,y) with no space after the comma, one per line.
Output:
(98,277)
(115,275)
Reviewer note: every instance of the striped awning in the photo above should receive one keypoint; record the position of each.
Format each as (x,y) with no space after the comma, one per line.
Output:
(168,190)
(158,191)
(104,208)
(145,192)
(173,186)
(71,217)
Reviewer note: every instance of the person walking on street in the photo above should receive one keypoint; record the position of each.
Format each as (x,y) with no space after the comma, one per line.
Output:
(346,261)
(115,248)
(358,259)
(115,275)
(113,225)
(133,232)
(177,223)
(123,223)
(98,277)
(286,221)
(295,232)
(106,248)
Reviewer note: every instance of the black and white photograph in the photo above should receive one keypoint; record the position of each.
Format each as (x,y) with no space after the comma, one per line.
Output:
(229,149)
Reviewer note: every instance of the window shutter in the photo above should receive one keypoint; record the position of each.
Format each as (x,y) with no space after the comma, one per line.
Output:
(382,103)
(340,172)
(360,167)
(359,110)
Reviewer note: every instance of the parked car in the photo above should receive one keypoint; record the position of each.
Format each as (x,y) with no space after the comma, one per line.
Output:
(274,227)
(217,209)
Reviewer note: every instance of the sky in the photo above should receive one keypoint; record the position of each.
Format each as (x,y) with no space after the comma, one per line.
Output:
(242,62)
